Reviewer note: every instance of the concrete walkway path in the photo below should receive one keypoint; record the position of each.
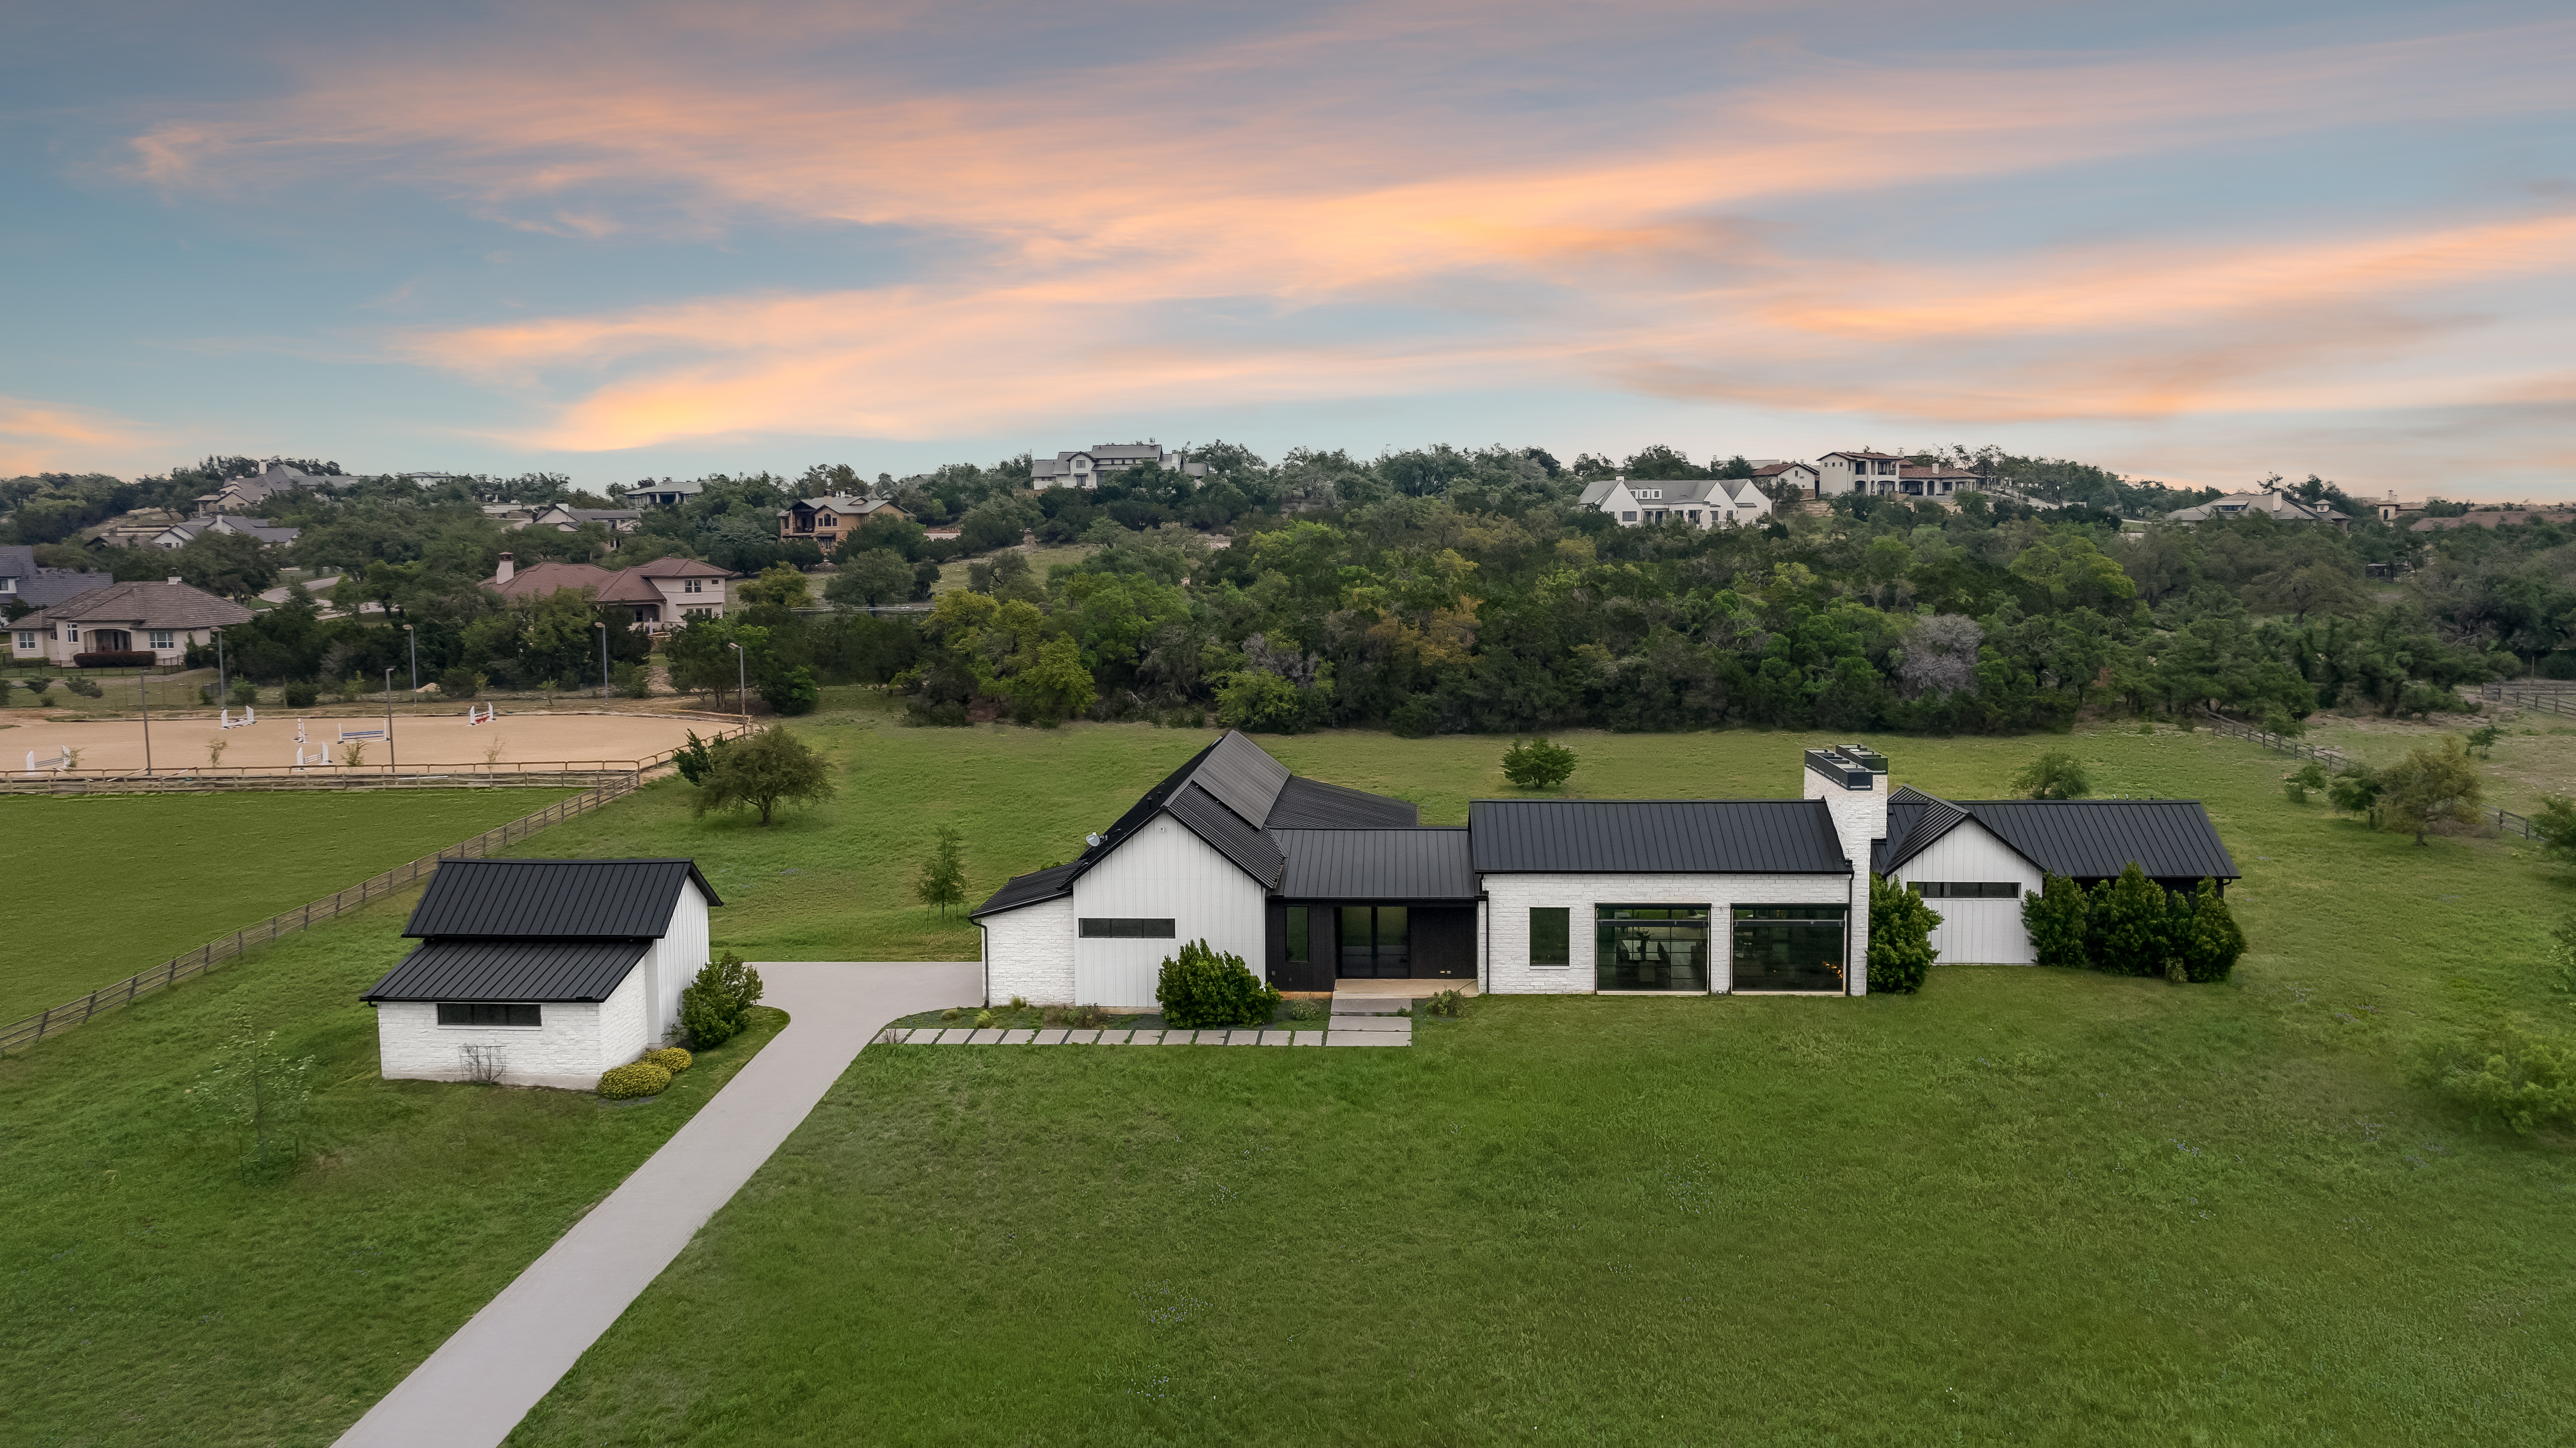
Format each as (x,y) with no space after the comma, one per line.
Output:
(482,1381)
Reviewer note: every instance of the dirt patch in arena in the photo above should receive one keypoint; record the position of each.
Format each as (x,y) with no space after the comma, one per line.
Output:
(444,739)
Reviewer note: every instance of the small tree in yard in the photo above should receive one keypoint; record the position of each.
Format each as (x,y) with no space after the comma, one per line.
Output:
(2056,919)
(1537,764)
(697,758)
(2054,775)
(2356,791)
(1900,937)
(1201,987)
(2300,781)
(713,1007)
(942,882)
(250,1087)
(2430,787)
(2555,825)
(2129,920)
(763,771)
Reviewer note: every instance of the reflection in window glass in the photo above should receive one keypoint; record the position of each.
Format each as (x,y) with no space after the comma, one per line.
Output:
(1551,935)
(1650,947)
(1789,947)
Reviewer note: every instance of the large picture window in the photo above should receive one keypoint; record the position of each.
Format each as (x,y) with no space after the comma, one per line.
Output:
(487,1013)
(1125,927)
(1650,947)
(1551,935)
(1789,948)
(1377,940)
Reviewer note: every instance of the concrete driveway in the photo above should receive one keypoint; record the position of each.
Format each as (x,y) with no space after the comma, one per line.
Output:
(476,1387)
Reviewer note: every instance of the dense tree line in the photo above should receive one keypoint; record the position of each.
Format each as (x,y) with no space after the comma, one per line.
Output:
(1436,589)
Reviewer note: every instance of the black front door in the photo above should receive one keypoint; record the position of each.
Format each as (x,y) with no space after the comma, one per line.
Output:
(1377,942)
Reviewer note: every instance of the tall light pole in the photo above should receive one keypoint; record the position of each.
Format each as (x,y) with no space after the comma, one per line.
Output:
(145,695)
(741,695)
(223,685)
(603,660)
(391,759)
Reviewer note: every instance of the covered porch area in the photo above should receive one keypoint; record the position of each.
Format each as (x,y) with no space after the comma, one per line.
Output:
(1374,910)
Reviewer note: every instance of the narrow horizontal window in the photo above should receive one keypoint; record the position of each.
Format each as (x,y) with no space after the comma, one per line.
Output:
(484,1013)
(1123,927)
(1968,889)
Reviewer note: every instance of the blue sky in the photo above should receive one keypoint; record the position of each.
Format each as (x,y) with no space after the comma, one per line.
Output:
(2193,242)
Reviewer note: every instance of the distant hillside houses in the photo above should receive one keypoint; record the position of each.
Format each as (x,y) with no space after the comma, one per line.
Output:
(1087,468)
(1702,502)
(180,535)
(244,495)
(2278,506)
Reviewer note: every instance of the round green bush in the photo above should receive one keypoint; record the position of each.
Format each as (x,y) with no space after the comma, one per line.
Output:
(637,1078)
(670,1058)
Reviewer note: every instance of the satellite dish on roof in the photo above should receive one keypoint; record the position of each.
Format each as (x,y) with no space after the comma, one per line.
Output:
(1092,840)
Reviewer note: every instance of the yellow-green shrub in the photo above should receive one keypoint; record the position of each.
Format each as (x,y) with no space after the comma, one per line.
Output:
(636,1078)
(670,1058)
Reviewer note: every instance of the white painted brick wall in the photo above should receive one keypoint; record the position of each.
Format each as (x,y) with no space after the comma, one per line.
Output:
(576,1043)
(1512,897)
(1029,952)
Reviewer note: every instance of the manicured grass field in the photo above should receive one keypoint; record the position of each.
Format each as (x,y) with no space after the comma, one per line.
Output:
(2027,1205)
(101,887)
(151,1294)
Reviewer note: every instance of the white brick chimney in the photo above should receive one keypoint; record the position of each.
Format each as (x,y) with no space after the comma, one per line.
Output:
(1852,782)
(509,566)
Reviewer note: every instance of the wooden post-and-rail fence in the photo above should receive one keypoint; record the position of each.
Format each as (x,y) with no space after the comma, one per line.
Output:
(2505,820)
(205,957)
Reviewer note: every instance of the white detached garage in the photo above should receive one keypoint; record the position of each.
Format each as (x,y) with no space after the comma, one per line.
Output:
(541,972)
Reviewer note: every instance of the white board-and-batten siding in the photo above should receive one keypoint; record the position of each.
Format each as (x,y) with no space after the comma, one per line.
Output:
(1512,897)
(674,961)
(1975,932)
(1160,872)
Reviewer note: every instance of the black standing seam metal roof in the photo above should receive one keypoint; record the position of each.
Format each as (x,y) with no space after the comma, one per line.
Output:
(1655,836)
(1226,832)
(1242,776)
(1309,804)
(1378,864)
(506,970)
(2168,839)
(1053,882)
(1924,823)
(554,899)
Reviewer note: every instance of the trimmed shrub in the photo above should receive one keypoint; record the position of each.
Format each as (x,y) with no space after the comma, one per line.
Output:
(115,659)
(2213,943)
(1305,1010)
(1201,987)
(2056,919)
(1900,938)
(636,1078)
(671,1059)
(712,1007)
(86,688)
(2129,924)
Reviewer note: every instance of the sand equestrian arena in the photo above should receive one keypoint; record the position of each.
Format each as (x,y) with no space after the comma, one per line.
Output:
(420,741)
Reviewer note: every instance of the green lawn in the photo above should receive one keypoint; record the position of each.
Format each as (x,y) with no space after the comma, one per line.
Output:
(103,886)
(150,1294)
(2026,1205)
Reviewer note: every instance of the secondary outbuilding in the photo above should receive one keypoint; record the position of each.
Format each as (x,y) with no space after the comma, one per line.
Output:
(1312,883)
(541,972)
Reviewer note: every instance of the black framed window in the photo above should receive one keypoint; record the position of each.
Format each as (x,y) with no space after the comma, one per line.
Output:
(1650,947)
(1377,940)
(1298,945)
(1551,935)
(1788,947)
(488,1013)
(1967,889)
(1125,927)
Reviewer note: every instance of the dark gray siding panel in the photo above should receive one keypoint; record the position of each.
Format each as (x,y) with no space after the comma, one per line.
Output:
(1444,942)
(1392,865)
(494,970)
(2170,839)
(1311,804)
(1655,836)
(554,899)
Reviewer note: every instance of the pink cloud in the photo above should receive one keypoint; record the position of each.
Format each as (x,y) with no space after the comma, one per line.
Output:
(38,437)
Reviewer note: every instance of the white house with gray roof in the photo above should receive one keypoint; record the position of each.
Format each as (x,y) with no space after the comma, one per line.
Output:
(1701,502)
(1089,467)
(162,619)
(551,971)
(1312,883)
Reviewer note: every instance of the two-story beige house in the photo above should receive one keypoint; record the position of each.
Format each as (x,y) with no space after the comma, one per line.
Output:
(824,522)
(663,594)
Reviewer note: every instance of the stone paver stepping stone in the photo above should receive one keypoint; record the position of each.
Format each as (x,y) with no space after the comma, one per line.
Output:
(1366,1038)
(1113,1038)
(985,1037)
(1049,1038)
(1275,1038)
(1372,1023)
(1307,1038)
(1243,1038)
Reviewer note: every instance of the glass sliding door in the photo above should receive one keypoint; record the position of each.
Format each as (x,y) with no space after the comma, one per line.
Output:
(1650,947)
(1377,942)
(1789,948)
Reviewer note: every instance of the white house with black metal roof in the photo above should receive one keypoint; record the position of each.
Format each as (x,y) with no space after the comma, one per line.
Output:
(555,969)
(1313,883)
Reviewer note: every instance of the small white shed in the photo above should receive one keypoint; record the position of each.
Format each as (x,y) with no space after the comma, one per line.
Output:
(541,972)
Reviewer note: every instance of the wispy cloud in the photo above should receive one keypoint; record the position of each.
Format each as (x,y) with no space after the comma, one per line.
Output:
(38,437)
(1381,200)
